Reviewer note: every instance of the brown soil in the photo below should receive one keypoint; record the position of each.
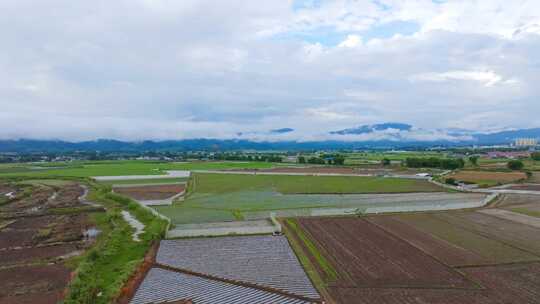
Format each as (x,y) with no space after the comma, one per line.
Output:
(516,200)
(518,235)
(16,238)
(150,192)
(481,176)
(526,187)
(35,254)
(67,196)
(371,257)
(46,238)
(517,283)
(447,253)
(374,267)
(33,284)
(37,200)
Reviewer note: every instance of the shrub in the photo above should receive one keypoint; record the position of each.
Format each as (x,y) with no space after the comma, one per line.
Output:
(515,165)
(451,181)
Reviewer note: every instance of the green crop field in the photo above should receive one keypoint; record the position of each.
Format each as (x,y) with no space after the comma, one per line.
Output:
(117,168)
(292,184)
(146,181)
(225,197)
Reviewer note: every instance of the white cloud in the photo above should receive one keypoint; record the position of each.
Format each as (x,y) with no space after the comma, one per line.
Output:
(487,78)
(182,69)
(351,41)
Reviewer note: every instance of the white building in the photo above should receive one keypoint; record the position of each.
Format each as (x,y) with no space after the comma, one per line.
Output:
(526,142)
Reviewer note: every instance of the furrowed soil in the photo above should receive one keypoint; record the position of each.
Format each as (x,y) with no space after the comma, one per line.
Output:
(36,239)
(468,251)
(488,176)
(492,251)
(448,253)
(150,192)
(371,257)
(525,187)
(515,234)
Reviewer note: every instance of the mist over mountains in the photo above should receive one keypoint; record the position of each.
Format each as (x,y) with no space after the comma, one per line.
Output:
(376,136)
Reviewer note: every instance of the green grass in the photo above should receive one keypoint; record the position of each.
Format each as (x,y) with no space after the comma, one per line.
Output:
(117,168)
(145,181)
(103,270)
(291,184)
(226,197)
(525,211)
(323,263)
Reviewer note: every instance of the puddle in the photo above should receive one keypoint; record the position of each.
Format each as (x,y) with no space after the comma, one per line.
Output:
(10,195)
(133,222)
(91,233)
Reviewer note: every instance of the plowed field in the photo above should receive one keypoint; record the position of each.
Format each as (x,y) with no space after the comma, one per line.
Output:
(150,192)
(441,258)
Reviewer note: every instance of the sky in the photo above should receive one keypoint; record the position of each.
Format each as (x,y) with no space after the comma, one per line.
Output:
(166,69)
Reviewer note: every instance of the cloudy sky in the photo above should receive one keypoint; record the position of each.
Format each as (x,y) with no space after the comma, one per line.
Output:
(167,69)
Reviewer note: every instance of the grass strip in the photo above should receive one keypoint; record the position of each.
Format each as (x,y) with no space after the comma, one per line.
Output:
(324,264)
(526,211)
(104,269)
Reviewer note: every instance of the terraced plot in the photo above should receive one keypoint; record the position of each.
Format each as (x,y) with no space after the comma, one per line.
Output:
(37,235)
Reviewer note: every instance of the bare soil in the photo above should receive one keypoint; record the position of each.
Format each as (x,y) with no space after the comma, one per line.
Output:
(483,176)
(446,252)
(33,284)
(375,267)
(529,187)
(371,257)
(151,192)
(35,235)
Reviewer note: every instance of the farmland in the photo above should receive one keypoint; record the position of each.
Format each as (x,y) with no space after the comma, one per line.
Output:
(489,178)
(116,168)
(226,183)
(43,229)
(446,258)
(150,192)
(225,197)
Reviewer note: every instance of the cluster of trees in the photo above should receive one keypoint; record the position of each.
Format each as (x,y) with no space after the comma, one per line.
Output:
(325,159)
(242,157)
(434,162)
(535,155)
(515,165)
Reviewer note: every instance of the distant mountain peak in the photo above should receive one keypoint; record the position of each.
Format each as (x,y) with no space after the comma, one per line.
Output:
(365,129)
(281,131)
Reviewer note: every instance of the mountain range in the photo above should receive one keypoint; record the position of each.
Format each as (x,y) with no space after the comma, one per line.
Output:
(376,136)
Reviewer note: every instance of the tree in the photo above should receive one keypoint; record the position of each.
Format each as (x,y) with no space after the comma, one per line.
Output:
(339,160)
(515,165)
(301,160)
(451,181)
(474,160)
(535,155)
(385,162)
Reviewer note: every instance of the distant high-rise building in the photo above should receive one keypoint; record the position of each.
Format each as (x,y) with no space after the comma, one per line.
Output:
(526,142)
